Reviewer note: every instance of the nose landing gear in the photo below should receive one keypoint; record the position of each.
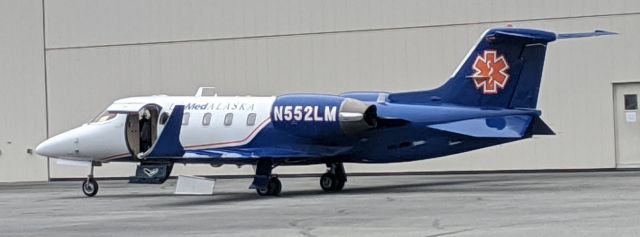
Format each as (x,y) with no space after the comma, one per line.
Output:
(90,186)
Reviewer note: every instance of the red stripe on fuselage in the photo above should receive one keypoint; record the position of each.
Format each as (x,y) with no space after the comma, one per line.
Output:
(255,131)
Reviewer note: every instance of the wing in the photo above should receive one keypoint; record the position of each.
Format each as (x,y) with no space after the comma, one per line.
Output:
(248,155)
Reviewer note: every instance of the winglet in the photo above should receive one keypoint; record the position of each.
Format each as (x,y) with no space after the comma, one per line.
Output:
(585,34)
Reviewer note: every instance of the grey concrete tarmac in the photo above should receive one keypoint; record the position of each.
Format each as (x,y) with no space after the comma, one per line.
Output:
(541,204)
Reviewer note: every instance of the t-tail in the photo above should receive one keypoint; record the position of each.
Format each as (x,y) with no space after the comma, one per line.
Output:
(503,70)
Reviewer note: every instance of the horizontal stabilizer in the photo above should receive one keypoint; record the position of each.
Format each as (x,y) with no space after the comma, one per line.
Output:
(512,126)
(585,34)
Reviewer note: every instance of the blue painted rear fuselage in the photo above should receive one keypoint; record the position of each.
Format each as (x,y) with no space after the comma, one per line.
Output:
(410,141)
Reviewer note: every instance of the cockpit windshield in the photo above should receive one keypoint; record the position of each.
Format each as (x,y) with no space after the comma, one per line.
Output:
(103,117)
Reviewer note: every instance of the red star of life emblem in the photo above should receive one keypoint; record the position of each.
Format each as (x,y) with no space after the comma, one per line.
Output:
(490,72)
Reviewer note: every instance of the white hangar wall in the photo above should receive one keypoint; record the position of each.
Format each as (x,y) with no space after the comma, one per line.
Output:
(72,23)
(22,90)
(98,51)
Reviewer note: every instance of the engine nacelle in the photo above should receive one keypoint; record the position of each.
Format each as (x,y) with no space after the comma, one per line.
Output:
(322,116)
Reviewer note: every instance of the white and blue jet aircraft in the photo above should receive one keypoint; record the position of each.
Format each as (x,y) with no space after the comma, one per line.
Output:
(489,100)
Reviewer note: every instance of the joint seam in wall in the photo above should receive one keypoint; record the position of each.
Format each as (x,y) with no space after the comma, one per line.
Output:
(335,32)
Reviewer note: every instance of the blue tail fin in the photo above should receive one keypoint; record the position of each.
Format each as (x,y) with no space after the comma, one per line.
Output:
(503,70)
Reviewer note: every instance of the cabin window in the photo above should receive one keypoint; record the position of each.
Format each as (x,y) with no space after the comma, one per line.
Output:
(228,119)
(251,119)
(185,119)
(206,119)
(631,102)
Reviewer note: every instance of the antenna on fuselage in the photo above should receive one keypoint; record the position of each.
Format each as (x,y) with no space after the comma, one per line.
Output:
(201,89)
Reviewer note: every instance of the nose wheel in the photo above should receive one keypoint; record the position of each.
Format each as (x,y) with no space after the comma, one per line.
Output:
(334,179)
(90,186)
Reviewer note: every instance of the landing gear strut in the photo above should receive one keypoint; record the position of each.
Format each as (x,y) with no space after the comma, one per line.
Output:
(90,186)
(335,177)
(264,182)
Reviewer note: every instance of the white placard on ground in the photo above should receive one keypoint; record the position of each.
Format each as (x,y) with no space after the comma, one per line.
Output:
(191,185)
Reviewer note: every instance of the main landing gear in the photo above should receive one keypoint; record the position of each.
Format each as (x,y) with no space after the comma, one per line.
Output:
(335,177)
(273,188)
(264,182)
(90,186)
(267,184)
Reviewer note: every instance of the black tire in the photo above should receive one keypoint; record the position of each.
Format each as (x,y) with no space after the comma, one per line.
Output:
(328,182)
(90,187)
(331,183)
(262,191)
(273,189)
(340,185)
(275,185)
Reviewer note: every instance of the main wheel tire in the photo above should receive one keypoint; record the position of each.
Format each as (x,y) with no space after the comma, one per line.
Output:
(331,183)
(340,185)
(262,191)
(273,188)
(90,187)
(328,182)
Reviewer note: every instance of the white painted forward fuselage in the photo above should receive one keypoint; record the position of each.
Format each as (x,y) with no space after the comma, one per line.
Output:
(208,122)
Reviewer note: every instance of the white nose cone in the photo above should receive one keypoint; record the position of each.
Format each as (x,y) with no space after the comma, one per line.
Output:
(88,142)
(44,149)
(58,146)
